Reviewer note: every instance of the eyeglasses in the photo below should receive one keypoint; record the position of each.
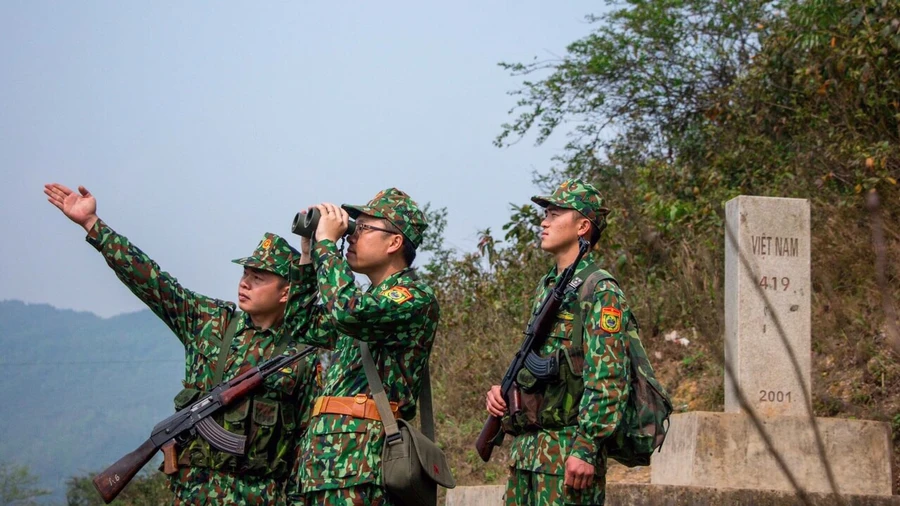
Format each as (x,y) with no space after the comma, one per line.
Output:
(366,226)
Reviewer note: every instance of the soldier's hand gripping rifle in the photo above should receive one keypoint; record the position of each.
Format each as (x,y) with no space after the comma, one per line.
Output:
(535,335)
(191,421)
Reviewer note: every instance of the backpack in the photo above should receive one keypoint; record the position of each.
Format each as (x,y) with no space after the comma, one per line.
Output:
(645,419)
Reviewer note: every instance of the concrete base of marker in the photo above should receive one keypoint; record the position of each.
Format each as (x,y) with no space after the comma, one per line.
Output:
(491,495)
(670,495)
(622,494)
(724,450)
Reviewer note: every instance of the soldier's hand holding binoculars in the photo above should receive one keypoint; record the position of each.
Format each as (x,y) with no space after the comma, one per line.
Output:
(333,222)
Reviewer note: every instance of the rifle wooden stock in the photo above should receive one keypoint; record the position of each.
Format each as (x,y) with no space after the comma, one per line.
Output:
(111,481)
(485,442)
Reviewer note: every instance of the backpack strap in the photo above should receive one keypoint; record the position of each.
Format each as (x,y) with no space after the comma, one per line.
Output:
(595,275)
(225,346)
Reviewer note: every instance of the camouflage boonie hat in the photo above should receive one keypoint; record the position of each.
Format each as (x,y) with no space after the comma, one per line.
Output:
(399,209)
(273,254)
(580,196)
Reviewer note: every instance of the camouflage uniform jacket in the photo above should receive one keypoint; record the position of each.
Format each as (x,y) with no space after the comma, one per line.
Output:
(199,322)
(398,318)
(604,376)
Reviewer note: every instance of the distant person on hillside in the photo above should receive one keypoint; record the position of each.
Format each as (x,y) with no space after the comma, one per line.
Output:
(219,343)
(557,454)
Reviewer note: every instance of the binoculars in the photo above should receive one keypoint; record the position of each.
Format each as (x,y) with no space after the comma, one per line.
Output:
(305,223)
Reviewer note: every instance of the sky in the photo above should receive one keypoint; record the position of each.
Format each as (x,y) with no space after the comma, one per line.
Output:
(198,126)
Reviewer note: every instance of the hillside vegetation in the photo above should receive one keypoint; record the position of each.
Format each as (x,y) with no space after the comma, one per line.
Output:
(671,108)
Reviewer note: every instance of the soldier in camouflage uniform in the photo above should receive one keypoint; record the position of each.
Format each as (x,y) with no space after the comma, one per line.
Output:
(271,419)
(557,454)
(340,455)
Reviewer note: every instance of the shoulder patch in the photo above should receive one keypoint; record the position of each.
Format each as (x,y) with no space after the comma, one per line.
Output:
(610,319)
(398,294)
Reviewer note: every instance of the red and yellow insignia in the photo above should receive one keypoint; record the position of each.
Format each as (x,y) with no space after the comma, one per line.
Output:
(267,244)
(610,319)
(398,294)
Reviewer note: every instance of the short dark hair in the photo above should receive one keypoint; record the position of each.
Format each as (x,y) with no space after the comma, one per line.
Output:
(594,235)
(408,250)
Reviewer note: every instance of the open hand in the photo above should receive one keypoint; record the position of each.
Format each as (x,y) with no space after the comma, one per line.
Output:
(80,207)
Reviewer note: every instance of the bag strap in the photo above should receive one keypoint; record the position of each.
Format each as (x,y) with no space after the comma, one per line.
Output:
(391,429)
(225,346)
(594,276)
(426,413)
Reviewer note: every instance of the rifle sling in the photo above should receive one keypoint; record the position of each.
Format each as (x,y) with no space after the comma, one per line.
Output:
(225,347)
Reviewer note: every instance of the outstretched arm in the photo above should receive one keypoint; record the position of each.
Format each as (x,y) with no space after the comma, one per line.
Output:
(181,309)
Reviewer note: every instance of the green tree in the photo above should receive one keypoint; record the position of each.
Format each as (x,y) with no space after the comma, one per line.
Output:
(18,486)
(433,241)
(647,75)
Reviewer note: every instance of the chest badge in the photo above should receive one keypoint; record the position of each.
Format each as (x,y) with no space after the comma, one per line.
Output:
(398,294)
(610,319)
(565,315)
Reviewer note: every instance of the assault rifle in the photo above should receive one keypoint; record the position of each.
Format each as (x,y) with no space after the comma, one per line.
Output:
(535,335)
(191,421)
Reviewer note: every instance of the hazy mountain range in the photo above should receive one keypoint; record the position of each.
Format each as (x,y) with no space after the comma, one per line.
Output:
(79,391)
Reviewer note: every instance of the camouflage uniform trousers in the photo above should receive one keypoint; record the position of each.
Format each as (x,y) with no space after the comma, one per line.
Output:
(361,495)
(526,488)
(200,486)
